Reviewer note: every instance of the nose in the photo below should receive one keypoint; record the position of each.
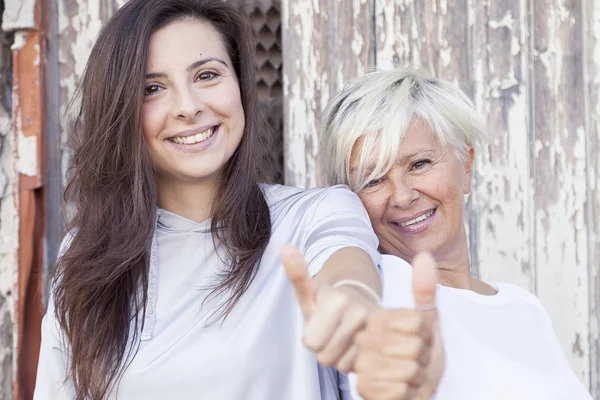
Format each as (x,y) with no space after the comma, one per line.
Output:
(404,195)
(188,104)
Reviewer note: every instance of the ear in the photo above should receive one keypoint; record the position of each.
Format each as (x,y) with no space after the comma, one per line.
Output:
(468,170)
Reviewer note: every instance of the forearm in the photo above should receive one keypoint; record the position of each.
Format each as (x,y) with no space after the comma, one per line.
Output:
(350,263)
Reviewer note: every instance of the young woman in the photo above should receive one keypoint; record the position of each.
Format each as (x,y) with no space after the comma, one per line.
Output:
(170,282)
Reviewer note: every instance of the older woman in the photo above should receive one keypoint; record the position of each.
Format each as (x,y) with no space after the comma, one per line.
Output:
(405,143)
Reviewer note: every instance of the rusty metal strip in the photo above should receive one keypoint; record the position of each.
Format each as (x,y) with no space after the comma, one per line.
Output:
(29,128)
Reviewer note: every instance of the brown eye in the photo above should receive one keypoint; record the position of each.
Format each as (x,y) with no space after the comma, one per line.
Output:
(151,89)
(420,164)
(373,183)
(207,76)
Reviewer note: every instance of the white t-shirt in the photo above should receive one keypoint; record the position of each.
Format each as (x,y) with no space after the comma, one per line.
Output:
(497,347)
(257,353)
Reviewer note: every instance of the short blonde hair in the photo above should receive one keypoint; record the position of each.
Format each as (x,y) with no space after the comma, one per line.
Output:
(377,108)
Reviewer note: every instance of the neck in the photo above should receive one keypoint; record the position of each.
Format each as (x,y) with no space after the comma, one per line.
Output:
(454,268)
(193,201)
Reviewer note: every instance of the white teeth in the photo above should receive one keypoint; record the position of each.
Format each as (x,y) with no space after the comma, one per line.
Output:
(197,138)
(418,219)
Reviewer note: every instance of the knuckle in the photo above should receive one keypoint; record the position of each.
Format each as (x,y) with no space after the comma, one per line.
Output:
(310,342)
(376,317)
(412,370)
(362,363)
(416,348)
(419,320)
(365,388)
(361,340)
(401,391)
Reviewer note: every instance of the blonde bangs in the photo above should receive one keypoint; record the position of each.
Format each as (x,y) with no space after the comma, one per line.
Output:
(365,123)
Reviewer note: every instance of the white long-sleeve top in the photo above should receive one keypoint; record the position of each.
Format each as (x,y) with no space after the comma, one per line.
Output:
(257,353)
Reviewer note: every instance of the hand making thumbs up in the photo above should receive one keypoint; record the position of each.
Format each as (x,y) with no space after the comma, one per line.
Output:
(400,353)
(333,314)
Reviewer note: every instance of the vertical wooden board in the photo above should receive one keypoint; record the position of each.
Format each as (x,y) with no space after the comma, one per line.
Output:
(560,174)
(324,44)
(592,82)
(431,35)
(503,195)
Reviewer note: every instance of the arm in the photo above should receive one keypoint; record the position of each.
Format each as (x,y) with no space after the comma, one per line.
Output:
(350,263)
(339,253)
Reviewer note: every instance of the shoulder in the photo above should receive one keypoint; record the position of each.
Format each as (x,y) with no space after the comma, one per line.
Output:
(286,198)
(277,194)
(516,292)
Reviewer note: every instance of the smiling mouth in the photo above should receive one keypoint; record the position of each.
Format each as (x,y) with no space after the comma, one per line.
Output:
(193,139)
(418,219)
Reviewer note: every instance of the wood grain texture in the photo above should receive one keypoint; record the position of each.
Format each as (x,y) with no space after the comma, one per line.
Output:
(503,197)
(591,58)
(53,173)
(324,43)
(560,174)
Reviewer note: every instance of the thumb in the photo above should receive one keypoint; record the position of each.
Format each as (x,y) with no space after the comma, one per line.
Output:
(297,272)
(425,277)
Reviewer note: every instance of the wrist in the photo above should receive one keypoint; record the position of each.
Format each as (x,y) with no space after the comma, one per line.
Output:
(365,292)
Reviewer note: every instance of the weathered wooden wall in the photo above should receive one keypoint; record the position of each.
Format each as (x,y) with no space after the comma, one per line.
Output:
(8,225)
(532,68)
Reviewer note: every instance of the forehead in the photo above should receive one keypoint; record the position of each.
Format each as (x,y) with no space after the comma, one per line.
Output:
(180,43)
(418,137)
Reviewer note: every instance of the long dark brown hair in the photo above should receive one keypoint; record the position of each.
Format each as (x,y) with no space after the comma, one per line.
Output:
(101,279)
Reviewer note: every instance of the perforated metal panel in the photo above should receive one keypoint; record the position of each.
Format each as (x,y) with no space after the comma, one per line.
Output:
(265,16)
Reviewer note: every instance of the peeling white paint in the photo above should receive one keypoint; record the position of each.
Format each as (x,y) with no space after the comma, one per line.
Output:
(9,219)
(18,14)
(562,253)
(37,55)
(505,22)
(19,41)
(27,155)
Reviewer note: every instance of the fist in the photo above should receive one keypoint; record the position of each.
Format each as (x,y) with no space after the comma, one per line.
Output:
(333,315)
(400,354)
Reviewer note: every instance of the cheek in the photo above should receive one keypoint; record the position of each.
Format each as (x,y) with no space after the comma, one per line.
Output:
(374,205)
(152,121)
(229,101)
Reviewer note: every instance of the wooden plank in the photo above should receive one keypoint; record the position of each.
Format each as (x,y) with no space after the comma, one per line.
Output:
(592,81)
(9,224)
(53,187)
(29,135)
(560,174)
(431,35)
(324,44)
(503,195)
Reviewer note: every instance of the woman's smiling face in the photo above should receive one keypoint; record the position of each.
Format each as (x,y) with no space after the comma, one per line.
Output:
(419,203)
(193,118)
